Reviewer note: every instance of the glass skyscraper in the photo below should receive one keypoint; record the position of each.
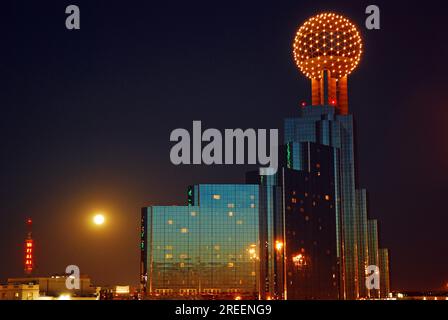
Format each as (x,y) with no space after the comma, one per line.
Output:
(209,247)
(323,125)
(303,245)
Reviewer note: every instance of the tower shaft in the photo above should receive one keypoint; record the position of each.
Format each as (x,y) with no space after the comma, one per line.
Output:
(330,91)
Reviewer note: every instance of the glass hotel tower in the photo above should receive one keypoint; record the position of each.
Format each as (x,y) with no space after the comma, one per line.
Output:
(209,247)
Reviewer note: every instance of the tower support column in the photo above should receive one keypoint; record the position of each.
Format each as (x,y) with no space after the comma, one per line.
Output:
(343,96)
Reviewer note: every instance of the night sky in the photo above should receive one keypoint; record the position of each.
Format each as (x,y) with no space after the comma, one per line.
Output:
(86,118)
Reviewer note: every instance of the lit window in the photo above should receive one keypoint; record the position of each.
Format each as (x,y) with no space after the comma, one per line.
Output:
(230,214)
(231,205)
(183,230)
(252,197)
(193,214)
(170,221)
(327,197)
(216,196)
(239,222)
(252,205)
(183,256)
(168,247)
(168,256)
(230,264)
(217,247)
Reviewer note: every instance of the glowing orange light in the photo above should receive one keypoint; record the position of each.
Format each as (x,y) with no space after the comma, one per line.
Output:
(338,43)
(299,260)
(278,245)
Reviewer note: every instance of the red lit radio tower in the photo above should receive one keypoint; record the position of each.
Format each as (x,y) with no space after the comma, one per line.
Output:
(29,248)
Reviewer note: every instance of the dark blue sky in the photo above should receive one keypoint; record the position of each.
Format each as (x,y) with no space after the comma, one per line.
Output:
(86,118)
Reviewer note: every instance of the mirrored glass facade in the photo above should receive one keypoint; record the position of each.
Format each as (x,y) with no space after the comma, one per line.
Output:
(323,125)
(302,249)
(210,247)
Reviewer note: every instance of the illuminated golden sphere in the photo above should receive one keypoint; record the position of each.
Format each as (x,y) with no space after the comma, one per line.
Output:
(327,42)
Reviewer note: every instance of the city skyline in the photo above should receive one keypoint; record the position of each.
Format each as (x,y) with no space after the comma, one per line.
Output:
(95,120)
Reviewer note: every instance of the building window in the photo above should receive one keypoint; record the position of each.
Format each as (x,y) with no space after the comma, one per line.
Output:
(239,222)
(231,205)
(193,214)
(168,256)
(252,205)
(184,230)
(327,197)
(170,221)
(230,214)
(216,196)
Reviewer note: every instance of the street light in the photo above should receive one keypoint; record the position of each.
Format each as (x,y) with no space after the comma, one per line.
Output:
(278,245)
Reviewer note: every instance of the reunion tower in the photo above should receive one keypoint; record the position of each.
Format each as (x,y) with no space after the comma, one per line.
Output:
(327,48)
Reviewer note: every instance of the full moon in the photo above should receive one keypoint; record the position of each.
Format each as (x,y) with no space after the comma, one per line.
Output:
(98,219)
